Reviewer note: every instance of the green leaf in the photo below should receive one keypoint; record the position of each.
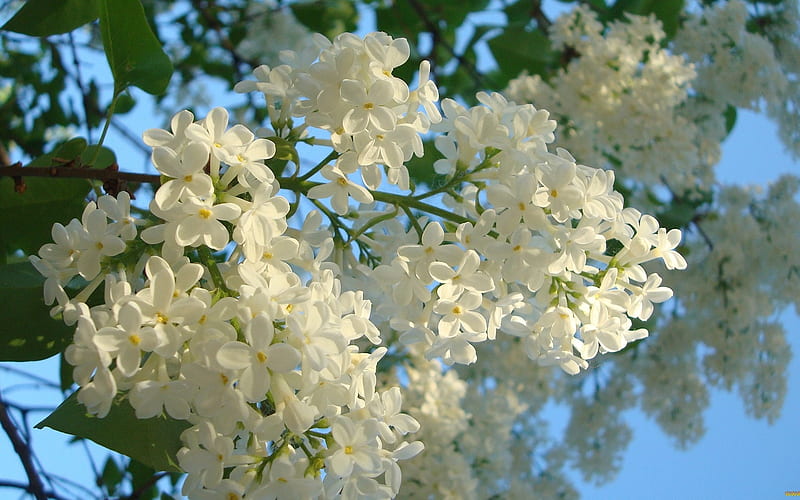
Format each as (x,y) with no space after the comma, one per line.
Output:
(104,158)
(51,17)
(65,373)
(27,332)
(125,103)
(329,17)
(111,476)
(142,479)
(730,115)
(420,170)
(27,217)
(154,441)
(517,50)
(667,11)
(64,153)
(134,53)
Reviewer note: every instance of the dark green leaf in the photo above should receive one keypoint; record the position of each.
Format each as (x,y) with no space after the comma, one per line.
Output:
(27,333)
(125,103)
(133,51)
(329,17)
(666,11)
(63,154)
(420,170)
(517,50)
(104,158)
(141,477)
(111,476)
(65,373)
(153,441)
(51,17)
(27,217)
(730,118)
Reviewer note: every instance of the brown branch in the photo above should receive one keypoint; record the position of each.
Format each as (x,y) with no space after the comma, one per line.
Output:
(141,490)
(538,15)
(4,483)
(105,174)
(35,485)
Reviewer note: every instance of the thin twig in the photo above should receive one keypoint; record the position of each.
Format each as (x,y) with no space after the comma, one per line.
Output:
(105,174)
(138,492)
(32,376)
(4,483)
(35,485)
(538,15)
(135,140)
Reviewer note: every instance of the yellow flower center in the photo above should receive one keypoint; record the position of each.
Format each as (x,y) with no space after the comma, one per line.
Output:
(261,357)
(134,339)
(204,213)
(161,318)
(348,450)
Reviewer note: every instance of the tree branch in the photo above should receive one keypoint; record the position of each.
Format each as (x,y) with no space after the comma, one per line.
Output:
(538,15)
(106,174)
(4,483)
(35,485)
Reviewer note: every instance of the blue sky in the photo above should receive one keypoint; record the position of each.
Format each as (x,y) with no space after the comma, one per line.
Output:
(739,457)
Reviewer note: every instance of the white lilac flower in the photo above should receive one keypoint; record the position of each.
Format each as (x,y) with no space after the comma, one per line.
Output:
(339,190)
(258,358)
(201,224)
(186,174)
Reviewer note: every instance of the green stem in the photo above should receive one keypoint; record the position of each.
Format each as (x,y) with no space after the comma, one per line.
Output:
(414,222)
(208,260)
(303,186)
(331,156)
(372,222)
(334,218)
(109,114)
